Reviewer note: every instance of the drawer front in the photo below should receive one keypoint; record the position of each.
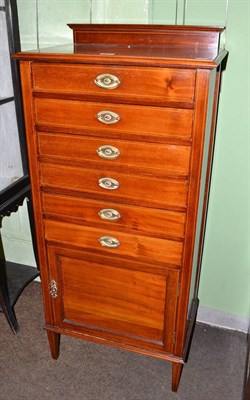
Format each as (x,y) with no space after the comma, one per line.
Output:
(134,120)
(116,154)
(115,215)
(114,242)
(155,85)
(115,303)
(110,185)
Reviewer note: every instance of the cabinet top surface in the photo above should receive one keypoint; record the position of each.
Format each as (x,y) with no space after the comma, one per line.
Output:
(140,44)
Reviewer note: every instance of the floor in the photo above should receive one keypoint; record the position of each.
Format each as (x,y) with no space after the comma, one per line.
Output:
(87,371)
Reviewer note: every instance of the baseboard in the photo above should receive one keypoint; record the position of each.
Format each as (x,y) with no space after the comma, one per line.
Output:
(221,319)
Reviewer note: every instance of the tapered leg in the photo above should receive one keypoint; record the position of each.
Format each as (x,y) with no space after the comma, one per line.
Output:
(54,342)
(176,375)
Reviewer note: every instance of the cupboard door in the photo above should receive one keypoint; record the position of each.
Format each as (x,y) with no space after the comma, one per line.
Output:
(120,304)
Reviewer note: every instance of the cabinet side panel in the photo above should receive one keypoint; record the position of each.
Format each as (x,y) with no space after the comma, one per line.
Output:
(205,87)
(26,81)
(205,182)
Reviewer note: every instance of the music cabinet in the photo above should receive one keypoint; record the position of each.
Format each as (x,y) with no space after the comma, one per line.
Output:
(120,131)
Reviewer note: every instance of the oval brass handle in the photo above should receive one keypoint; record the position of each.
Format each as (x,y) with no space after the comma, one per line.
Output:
(107,81)
(108,183)
(109,241)
(108,152)
(108,117)
(109,214)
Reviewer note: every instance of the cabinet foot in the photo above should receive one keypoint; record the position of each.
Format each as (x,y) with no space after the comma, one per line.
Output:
(176,375)
(54,343)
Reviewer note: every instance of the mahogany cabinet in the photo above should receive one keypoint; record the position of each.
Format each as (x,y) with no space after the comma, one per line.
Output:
(120,131)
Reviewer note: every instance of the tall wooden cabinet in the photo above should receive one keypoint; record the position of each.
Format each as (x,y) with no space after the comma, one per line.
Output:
(120,130)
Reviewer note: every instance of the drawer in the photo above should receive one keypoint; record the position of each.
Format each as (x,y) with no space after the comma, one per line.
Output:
(114,215)
(114,242)
(116,119)
(149,158)
(125,84)
(133,189)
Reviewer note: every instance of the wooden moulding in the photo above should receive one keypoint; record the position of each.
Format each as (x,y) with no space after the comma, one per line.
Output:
(140,45)
(170,35)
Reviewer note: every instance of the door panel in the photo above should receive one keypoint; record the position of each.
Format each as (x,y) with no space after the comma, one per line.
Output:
(127,305)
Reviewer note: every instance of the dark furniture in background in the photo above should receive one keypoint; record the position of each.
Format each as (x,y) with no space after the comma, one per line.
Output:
(14,277)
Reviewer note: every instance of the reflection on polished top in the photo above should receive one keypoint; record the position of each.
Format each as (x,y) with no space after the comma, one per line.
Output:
(131,50)
(124,43)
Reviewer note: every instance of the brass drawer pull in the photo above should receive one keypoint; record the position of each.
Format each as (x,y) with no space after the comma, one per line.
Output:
(109,241)
(108,117)
(108,183)
(109,214)
(108,152)
(107,81)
